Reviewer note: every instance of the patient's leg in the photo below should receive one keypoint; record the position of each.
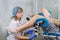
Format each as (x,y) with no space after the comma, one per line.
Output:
(33,19)
(29,24)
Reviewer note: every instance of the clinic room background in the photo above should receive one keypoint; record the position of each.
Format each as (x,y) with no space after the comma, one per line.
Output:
(29,7)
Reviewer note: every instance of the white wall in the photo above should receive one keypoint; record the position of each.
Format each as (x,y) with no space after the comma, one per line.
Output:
(58,9)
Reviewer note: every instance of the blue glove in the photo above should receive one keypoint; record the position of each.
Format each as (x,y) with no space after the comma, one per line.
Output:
(33,36)
(29,32)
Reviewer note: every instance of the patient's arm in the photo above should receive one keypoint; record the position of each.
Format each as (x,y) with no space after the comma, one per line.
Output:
(22,37)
